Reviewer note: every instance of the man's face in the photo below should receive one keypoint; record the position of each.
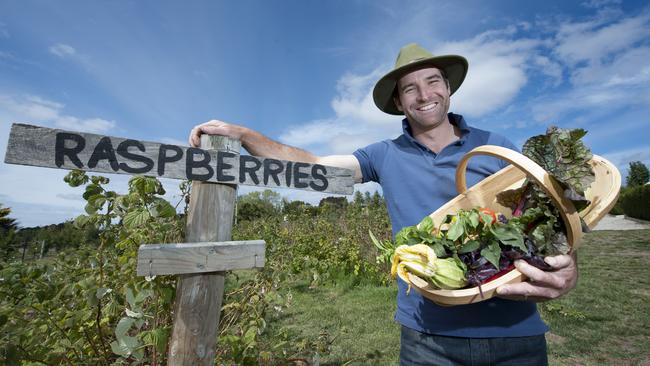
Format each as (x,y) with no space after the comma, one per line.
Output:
(424,98)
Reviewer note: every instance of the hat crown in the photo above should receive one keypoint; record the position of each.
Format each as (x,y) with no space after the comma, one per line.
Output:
(411,53)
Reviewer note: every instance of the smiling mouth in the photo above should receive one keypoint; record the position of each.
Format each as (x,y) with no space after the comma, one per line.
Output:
(427,107)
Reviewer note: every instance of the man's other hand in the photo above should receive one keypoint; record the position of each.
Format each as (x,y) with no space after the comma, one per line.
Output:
(214,127)
(543,285)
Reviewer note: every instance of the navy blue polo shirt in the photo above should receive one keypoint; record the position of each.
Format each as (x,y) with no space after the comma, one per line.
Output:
(416,182)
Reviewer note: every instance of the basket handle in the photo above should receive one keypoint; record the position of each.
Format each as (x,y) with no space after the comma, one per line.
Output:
(535,172)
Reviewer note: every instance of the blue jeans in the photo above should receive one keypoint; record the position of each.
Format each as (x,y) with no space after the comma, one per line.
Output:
(426,349)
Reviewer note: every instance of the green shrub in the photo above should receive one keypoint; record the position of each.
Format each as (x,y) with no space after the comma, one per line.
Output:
(636,202)
(618,209)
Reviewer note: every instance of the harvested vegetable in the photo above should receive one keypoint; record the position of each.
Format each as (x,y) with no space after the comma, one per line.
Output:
(472,247)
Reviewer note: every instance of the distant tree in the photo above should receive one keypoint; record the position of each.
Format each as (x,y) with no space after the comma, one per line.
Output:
(7,232)
(295,207)
(377,200)
(358,199)
(6,223)
(337,202)
(255,205)
(638,174)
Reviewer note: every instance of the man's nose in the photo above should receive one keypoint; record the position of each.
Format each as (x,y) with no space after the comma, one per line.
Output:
(424,94)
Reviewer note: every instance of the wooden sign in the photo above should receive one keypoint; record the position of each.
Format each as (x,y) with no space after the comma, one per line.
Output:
(202,263)
(52,148)
(168,259)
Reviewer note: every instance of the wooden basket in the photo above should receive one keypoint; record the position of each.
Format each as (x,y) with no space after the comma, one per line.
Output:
(602,194)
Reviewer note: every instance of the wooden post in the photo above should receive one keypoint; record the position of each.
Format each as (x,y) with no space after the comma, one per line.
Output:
(24,249)
(42,249)
(199,296)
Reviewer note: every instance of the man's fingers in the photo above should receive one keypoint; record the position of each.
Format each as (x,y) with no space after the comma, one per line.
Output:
(212,127)
(559,261)
(537,276)
(526,291)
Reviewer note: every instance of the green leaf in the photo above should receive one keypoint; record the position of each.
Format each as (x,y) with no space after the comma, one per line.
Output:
(407,236)
(426,225)
(130,297)
(124,346)
(136,218)
(76,178)
(157,338)
(456,229)
(162,208)
(81,221)
(92,190)
(473,219)
(123,326)
(492,252)
(143,295)
(250,335)
(97,200)
(133,314)
(90,209)
(439,249)
(469,247)
(509,235)
(487,219)
(102,291)
(98,179)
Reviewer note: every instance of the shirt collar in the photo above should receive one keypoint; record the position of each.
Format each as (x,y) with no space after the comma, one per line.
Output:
(455,119)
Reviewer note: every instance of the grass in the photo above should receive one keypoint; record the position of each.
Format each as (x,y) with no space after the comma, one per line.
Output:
(603,321)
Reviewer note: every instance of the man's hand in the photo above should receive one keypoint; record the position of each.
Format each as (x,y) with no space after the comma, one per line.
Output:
(543,285)
(215,127)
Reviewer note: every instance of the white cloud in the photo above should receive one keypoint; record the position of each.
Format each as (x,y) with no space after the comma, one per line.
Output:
(497,71)
(34,109)
(31,107)
(591,43)
(95,125)
(599,3)
(355,101)
(622,159)
(630,67)
(63,50)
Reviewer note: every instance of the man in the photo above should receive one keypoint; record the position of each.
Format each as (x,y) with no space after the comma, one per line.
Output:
(416,172)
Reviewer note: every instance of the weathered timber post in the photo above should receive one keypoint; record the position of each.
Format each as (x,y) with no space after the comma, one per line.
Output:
(42,249)
(199,296)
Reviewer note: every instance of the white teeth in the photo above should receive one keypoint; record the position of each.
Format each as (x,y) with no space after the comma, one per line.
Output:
(428,107)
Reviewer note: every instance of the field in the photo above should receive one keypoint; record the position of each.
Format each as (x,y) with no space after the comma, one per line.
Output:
(604,321)
(321,298)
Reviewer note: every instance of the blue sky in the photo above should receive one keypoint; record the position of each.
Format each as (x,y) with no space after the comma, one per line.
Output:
(302,72)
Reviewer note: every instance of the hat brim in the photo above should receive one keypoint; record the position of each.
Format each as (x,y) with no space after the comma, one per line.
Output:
(454,66)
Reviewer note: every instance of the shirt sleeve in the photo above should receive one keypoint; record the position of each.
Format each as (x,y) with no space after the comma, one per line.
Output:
(498,140)
(369,159)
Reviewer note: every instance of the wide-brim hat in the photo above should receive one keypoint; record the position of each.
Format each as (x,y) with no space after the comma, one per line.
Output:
(412,57)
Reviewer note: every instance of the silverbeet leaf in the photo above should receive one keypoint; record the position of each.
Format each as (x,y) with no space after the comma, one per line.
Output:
(561,153)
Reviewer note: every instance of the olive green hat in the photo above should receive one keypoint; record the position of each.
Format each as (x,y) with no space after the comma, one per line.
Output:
(412,57)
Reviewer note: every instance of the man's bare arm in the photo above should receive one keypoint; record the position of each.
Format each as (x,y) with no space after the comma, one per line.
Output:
(259,145)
